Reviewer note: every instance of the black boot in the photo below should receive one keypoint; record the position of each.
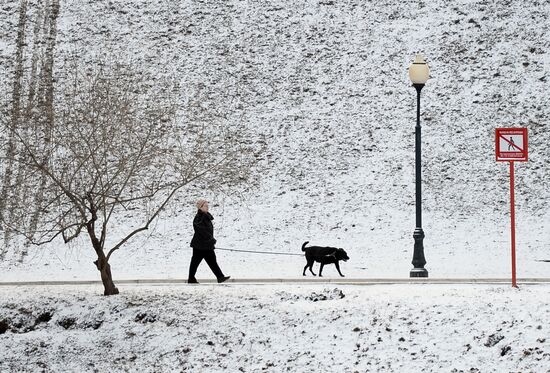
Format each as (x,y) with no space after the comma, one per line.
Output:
(223,279)
(192,281)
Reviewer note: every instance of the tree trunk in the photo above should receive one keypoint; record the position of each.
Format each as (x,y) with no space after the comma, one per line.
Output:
(46,109)
(15,114)
(101,263)
(105,269)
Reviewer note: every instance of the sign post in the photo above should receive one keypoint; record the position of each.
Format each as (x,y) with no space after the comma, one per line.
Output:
(511,146)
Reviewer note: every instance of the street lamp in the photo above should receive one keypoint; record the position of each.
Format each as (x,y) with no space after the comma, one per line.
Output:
(419,72)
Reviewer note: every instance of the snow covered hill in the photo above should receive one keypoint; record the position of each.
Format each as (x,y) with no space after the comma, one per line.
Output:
(324,84)
(274,328)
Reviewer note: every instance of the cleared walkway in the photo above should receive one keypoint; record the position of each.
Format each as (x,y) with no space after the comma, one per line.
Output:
(305,280)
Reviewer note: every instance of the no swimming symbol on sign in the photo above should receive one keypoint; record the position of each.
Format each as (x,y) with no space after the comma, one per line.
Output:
(511,144)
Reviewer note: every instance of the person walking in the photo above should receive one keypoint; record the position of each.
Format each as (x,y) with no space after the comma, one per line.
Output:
(203,244)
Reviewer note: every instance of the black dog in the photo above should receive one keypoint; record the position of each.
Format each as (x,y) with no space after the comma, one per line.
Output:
(323,255)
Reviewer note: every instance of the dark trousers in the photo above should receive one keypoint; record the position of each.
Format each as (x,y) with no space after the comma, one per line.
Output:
(210,257)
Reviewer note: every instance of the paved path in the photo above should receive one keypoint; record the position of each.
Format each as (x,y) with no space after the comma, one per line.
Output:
(298,281)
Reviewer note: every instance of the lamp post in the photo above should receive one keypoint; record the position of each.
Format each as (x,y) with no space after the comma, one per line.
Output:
(419,72)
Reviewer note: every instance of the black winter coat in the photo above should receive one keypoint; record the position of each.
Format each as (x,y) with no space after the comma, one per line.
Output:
(203,239)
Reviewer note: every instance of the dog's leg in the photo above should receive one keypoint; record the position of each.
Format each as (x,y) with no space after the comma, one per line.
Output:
(310,262)
(338,268)
(321,270)
(311,269)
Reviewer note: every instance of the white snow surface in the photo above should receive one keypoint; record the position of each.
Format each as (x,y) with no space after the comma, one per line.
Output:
(325,84)
(277,328)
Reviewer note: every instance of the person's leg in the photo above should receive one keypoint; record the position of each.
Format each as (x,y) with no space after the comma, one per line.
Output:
(210,257)
(196,259)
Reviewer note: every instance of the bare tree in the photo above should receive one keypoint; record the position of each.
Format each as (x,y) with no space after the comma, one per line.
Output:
(31,103)
(116,144)
(7,167)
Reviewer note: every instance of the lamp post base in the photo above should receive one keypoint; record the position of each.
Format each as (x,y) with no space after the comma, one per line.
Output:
(418,257)
(419,272)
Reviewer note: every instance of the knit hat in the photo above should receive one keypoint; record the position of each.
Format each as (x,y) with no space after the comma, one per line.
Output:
(200,203)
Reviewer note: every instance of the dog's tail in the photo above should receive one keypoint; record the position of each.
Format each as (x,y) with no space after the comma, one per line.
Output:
(304,246)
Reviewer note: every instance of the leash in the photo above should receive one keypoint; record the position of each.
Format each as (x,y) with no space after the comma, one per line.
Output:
(258,252)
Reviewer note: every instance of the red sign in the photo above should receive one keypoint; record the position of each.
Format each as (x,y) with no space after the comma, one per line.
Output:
(511,144)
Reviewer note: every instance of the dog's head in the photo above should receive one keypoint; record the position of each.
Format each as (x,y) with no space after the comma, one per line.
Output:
(342,255)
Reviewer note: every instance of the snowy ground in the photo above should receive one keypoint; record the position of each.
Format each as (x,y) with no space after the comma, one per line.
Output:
(461,248)
(325,85)
(277,328)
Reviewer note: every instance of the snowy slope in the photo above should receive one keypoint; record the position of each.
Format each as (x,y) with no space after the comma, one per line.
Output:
(325,82)
(277,328)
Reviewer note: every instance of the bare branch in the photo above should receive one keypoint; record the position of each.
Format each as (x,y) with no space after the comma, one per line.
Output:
(46,171)
(162,206)
(117,144)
